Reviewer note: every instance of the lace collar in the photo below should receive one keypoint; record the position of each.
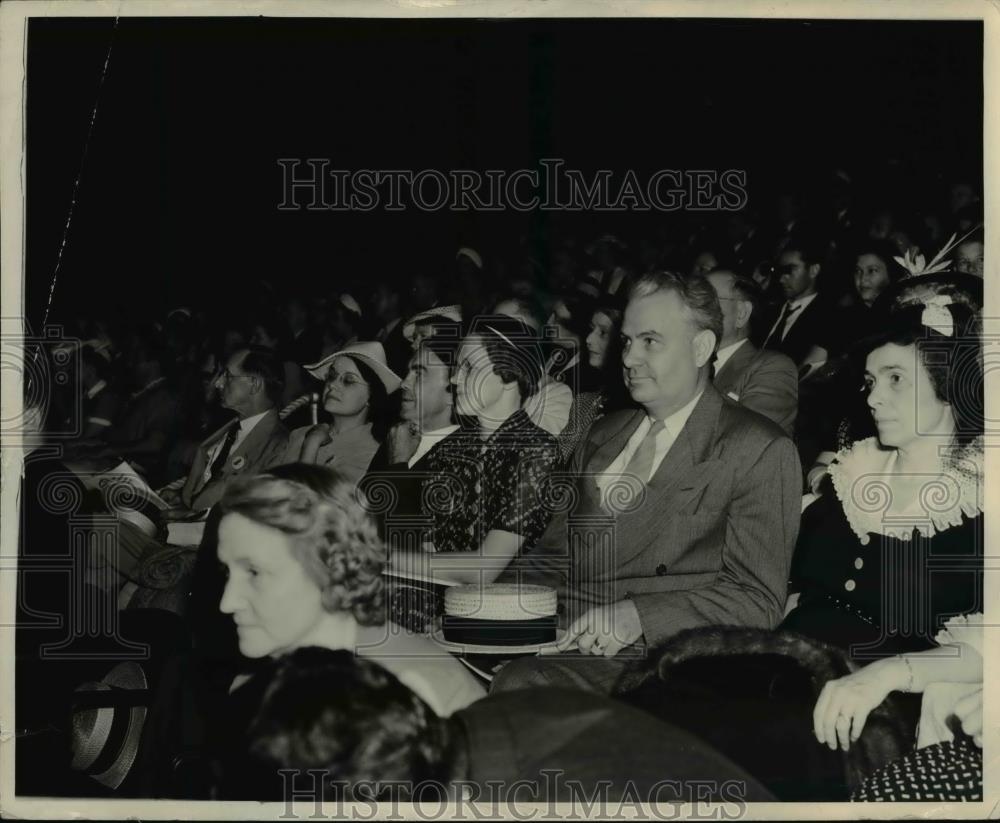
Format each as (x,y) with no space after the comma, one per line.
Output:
(862,476)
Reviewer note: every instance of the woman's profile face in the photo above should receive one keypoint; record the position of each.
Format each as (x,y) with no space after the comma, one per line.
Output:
(346,393)
(902,399)
(274,603)
(477,387)
(561,318)
(601,328)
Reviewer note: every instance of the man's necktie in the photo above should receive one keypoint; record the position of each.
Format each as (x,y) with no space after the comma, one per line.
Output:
(227,446)
(642,459)
(778,332)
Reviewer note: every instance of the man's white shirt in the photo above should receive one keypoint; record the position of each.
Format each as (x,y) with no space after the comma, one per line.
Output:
(428,440)
(672,426)
(795,310)
(246,426)
(722,355)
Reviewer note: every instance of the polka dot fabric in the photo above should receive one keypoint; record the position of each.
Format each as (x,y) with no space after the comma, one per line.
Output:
(944,772)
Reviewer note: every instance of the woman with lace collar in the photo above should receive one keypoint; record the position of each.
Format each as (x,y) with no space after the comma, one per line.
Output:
(893,547)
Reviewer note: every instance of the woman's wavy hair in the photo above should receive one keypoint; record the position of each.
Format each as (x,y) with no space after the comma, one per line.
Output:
(329,529)
(953,362)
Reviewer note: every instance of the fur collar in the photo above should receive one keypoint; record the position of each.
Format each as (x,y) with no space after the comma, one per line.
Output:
(859,474)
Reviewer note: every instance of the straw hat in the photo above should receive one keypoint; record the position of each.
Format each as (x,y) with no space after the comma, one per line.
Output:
(106,733)
(371,354)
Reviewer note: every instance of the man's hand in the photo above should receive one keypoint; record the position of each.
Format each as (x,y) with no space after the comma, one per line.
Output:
(604,630)
(403,439)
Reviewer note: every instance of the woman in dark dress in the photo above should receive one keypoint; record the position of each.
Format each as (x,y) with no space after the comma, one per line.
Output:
(901,505)
(891,551)
(486,495)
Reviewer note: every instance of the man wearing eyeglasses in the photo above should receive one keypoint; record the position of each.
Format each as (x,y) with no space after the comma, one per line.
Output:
(250,385)
(802,327)
(763,381)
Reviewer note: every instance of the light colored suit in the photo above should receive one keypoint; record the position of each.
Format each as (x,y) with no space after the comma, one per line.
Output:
(709,540)
(764,381)
(262,448)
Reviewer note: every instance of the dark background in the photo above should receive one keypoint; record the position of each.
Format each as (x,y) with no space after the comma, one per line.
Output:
(180,181)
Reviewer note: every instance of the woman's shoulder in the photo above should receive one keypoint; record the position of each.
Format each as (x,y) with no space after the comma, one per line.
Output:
(861,477)
(519,431)
(436,675)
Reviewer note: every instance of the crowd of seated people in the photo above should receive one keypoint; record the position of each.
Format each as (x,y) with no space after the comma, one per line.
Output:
(716,446)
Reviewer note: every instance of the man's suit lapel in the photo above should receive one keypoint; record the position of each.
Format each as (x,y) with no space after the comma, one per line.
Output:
(730,373)
(201,459)
(602,453)
(684,471)
(254,442)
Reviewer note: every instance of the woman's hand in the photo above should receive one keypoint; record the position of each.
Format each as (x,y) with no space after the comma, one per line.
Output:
(969,710)
(845,703)
(317,436)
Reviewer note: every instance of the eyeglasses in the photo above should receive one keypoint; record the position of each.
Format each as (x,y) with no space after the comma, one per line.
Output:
(228,377)
(347,379)
(787,268)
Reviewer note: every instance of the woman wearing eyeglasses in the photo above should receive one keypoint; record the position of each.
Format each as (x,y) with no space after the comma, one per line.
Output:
(358,385)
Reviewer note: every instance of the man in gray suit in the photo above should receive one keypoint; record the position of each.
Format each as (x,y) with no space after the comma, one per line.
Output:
(251,385)
(764,381)
(682,514)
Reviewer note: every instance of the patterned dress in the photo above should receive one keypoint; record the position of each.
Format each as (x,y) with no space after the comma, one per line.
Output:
(474,486)
(497,483)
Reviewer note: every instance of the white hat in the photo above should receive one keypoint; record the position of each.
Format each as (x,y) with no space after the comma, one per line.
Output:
(371,354)
(350,304)
(451,312)
(472,254)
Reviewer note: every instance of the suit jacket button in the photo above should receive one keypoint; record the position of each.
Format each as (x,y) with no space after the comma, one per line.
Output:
(850,585)
(661,569)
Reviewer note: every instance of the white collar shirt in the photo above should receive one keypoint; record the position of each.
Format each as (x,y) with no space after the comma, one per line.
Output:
(672,427)
(723,354)
(428,440)
(246,426)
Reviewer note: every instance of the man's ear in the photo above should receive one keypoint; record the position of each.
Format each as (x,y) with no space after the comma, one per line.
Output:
(744,308)
(813,271)
(703,345)
(256,384)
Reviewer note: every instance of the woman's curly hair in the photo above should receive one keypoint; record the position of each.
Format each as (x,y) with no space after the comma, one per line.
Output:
(329,530)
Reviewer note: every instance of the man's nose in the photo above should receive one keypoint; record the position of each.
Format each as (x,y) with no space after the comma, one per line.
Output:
(629,358)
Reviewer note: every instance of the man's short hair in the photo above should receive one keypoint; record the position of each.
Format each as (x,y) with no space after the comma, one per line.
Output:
(813,250)
(694,291)
(747,290)
(354,721)
(263,363)
(445,339)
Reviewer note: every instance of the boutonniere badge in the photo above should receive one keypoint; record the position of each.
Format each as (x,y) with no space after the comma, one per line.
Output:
(239,462)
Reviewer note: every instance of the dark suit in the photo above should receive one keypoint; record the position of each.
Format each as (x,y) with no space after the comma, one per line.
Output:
(709,542)
(813,327)
(262,448)
(766,382)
